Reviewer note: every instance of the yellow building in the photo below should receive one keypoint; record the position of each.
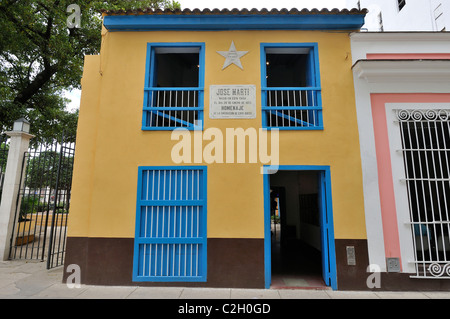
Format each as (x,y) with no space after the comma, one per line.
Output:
(192,124)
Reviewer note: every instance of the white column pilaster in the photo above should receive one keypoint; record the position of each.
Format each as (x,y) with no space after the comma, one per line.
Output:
(17,147)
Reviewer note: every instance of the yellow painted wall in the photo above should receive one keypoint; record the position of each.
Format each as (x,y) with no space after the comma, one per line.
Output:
(111,144)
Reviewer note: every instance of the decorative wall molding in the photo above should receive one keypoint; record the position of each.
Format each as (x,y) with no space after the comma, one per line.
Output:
(402,70)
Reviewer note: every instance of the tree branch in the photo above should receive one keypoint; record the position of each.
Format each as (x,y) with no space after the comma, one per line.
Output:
(26,30)
(39,81)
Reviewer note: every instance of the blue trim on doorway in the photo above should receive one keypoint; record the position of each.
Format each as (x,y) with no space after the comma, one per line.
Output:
(328,217)
(331,247)
(267,231)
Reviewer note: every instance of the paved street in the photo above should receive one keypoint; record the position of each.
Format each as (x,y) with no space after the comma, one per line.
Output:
(31,279)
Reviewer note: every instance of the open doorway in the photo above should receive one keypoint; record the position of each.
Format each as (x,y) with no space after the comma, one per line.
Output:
(301,240)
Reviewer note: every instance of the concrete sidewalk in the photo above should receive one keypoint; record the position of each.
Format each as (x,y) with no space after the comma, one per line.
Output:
(30,279)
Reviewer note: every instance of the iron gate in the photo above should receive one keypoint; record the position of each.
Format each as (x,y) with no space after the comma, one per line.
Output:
(43,204)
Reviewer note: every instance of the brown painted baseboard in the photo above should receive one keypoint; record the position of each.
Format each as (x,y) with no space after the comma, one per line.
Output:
(232,263)
(354,277)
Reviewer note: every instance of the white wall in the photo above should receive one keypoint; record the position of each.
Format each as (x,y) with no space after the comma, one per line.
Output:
(416,15)
(441,14)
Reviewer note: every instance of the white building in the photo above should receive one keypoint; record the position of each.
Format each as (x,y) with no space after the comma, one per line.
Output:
(405,15)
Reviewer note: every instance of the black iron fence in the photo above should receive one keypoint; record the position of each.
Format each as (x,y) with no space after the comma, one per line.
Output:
(43,204)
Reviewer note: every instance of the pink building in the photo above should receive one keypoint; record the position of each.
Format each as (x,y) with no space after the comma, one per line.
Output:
(402,87)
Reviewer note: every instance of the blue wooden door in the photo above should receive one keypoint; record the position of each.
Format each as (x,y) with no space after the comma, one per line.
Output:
(170,240)
(327,230)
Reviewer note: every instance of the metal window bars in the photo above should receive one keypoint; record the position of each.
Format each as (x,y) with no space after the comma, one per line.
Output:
(171,108)
(171,236)
(292,108)
(425,138)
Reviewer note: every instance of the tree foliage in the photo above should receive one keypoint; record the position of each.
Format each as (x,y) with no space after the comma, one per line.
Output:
(49,169)
(41,57)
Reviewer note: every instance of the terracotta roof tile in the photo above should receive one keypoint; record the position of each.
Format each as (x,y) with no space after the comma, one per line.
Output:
(233,11)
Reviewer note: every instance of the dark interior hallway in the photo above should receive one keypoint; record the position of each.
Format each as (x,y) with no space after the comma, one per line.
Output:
(296,265)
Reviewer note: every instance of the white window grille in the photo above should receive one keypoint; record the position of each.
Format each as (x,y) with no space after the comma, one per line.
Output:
(172,108)
(425,138)
(293,108)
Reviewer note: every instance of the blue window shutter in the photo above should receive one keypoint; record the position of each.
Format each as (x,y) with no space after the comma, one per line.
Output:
(169,108)
(292,108)
(170,240)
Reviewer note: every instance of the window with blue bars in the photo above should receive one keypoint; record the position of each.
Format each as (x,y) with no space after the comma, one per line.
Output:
(170,240)
(173,92)
(291,92)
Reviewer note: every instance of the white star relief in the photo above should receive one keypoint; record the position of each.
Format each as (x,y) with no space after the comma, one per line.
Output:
(232,56)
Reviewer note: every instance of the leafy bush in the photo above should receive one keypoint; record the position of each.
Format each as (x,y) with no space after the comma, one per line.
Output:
(28,205)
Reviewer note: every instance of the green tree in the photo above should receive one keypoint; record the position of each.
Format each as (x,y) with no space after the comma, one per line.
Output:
(4,147)
(42,170)
(42,55)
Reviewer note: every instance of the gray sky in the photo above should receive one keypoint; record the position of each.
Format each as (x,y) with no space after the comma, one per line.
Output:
(259,4)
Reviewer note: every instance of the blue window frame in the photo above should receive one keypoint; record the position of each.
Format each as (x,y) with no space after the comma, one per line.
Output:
(291,91)
(170,239)
(174,86)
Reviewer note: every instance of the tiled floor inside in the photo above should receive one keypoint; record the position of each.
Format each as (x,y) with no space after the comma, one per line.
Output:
(297,282)
(296,265)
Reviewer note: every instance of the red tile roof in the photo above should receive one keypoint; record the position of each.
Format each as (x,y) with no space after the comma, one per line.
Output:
(234,11)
